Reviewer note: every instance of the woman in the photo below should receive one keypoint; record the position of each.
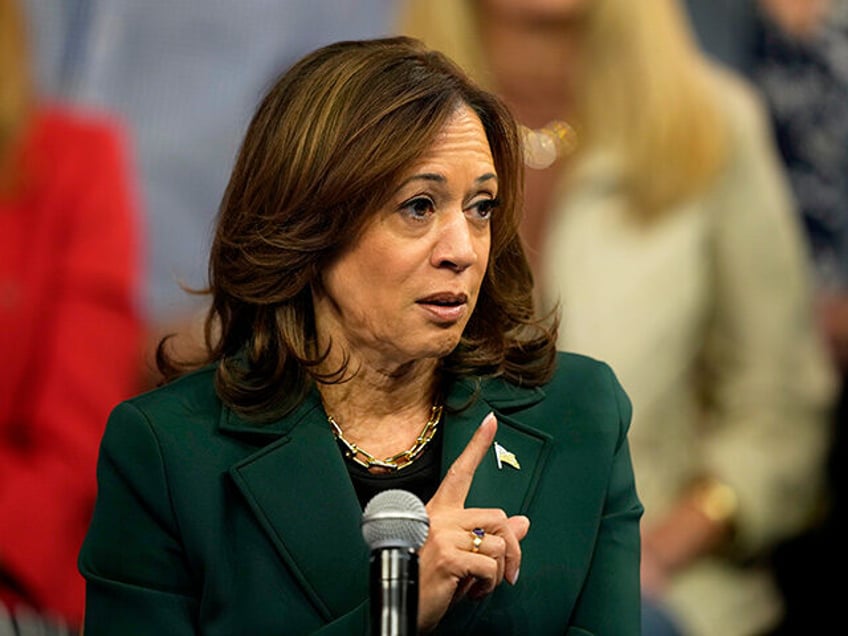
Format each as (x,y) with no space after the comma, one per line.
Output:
(669,239)
(369,291)
(70,334)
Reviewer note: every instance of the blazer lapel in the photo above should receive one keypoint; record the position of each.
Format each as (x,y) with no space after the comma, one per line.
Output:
(301,493)
(299,489)
(502,487)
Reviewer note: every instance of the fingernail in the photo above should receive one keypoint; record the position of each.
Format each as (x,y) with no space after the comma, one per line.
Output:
(490,416)
(515,577)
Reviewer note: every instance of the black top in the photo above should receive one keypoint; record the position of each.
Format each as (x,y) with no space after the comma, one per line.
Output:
(421,477)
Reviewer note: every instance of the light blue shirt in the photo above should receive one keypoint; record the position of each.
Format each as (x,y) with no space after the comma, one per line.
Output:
(186,76)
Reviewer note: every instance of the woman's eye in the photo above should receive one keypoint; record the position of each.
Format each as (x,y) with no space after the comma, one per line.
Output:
(484,208)
(418,208)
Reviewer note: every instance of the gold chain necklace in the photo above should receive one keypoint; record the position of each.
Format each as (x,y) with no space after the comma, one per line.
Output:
(395,462)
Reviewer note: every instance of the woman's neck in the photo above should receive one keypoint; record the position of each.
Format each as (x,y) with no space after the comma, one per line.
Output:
(382,409)
(533,66)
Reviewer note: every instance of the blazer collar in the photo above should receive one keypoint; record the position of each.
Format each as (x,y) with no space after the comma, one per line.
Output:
(298,487)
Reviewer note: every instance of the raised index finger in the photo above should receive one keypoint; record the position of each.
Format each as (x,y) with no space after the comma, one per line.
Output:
(454,487)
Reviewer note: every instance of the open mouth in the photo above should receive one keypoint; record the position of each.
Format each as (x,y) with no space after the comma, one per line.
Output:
(445,308)
(444,300)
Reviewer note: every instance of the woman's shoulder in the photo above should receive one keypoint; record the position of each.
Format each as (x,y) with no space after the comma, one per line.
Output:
(753,182)
(573,372)
(188,398)
(75,122)
(585,395)
(581,378)
(739,100)
(172,424)
(68,130)
(72,150)
(583,391)
(582,370)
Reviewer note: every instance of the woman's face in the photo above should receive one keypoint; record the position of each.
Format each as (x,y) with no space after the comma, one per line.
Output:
(406,289)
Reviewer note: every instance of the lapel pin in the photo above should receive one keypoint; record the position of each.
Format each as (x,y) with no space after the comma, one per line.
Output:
(503,456)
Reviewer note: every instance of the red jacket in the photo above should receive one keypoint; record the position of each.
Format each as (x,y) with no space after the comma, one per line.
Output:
(70,338)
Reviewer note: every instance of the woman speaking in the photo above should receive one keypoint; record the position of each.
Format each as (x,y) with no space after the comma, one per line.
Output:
(371,327)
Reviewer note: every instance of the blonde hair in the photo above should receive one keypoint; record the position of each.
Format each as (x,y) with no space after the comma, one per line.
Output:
(15,84)
(646,91)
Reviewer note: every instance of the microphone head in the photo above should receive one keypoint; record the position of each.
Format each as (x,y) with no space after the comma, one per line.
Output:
(395,519)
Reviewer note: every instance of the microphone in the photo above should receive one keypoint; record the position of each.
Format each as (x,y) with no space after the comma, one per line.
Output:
(395,525)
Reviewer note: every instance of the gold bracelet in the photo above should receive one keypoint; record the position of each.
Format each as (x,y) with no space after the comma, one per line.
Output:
(715,500)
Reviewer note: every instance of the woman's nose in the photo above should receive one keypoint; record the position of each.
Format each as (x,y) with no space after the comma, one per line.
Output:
(457,243)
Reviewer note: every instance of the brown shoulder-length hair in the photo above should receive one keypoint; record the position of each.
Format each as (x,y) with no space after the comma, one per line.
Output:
(326,148)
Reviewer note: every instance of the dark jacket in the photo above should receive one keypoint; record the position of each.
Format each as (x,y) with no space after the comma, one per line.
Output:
(208,524)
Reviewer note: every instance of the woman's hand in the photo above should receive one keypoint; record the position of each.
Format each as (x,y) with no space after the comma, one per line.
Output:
(685,533)
(449,568)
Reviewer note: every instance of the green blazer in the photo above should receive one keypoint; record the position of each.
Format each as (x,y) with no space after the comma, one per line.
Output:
(209,524)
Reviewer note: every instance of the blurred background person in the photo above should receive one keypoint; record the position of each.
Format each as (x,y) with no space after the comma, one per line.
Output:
(185,75)
(796,54)
(70,333)
(671,242)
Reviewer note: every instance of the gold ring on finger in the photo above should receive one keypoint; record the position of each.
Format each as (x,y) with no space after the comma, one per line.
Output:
(477,541)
